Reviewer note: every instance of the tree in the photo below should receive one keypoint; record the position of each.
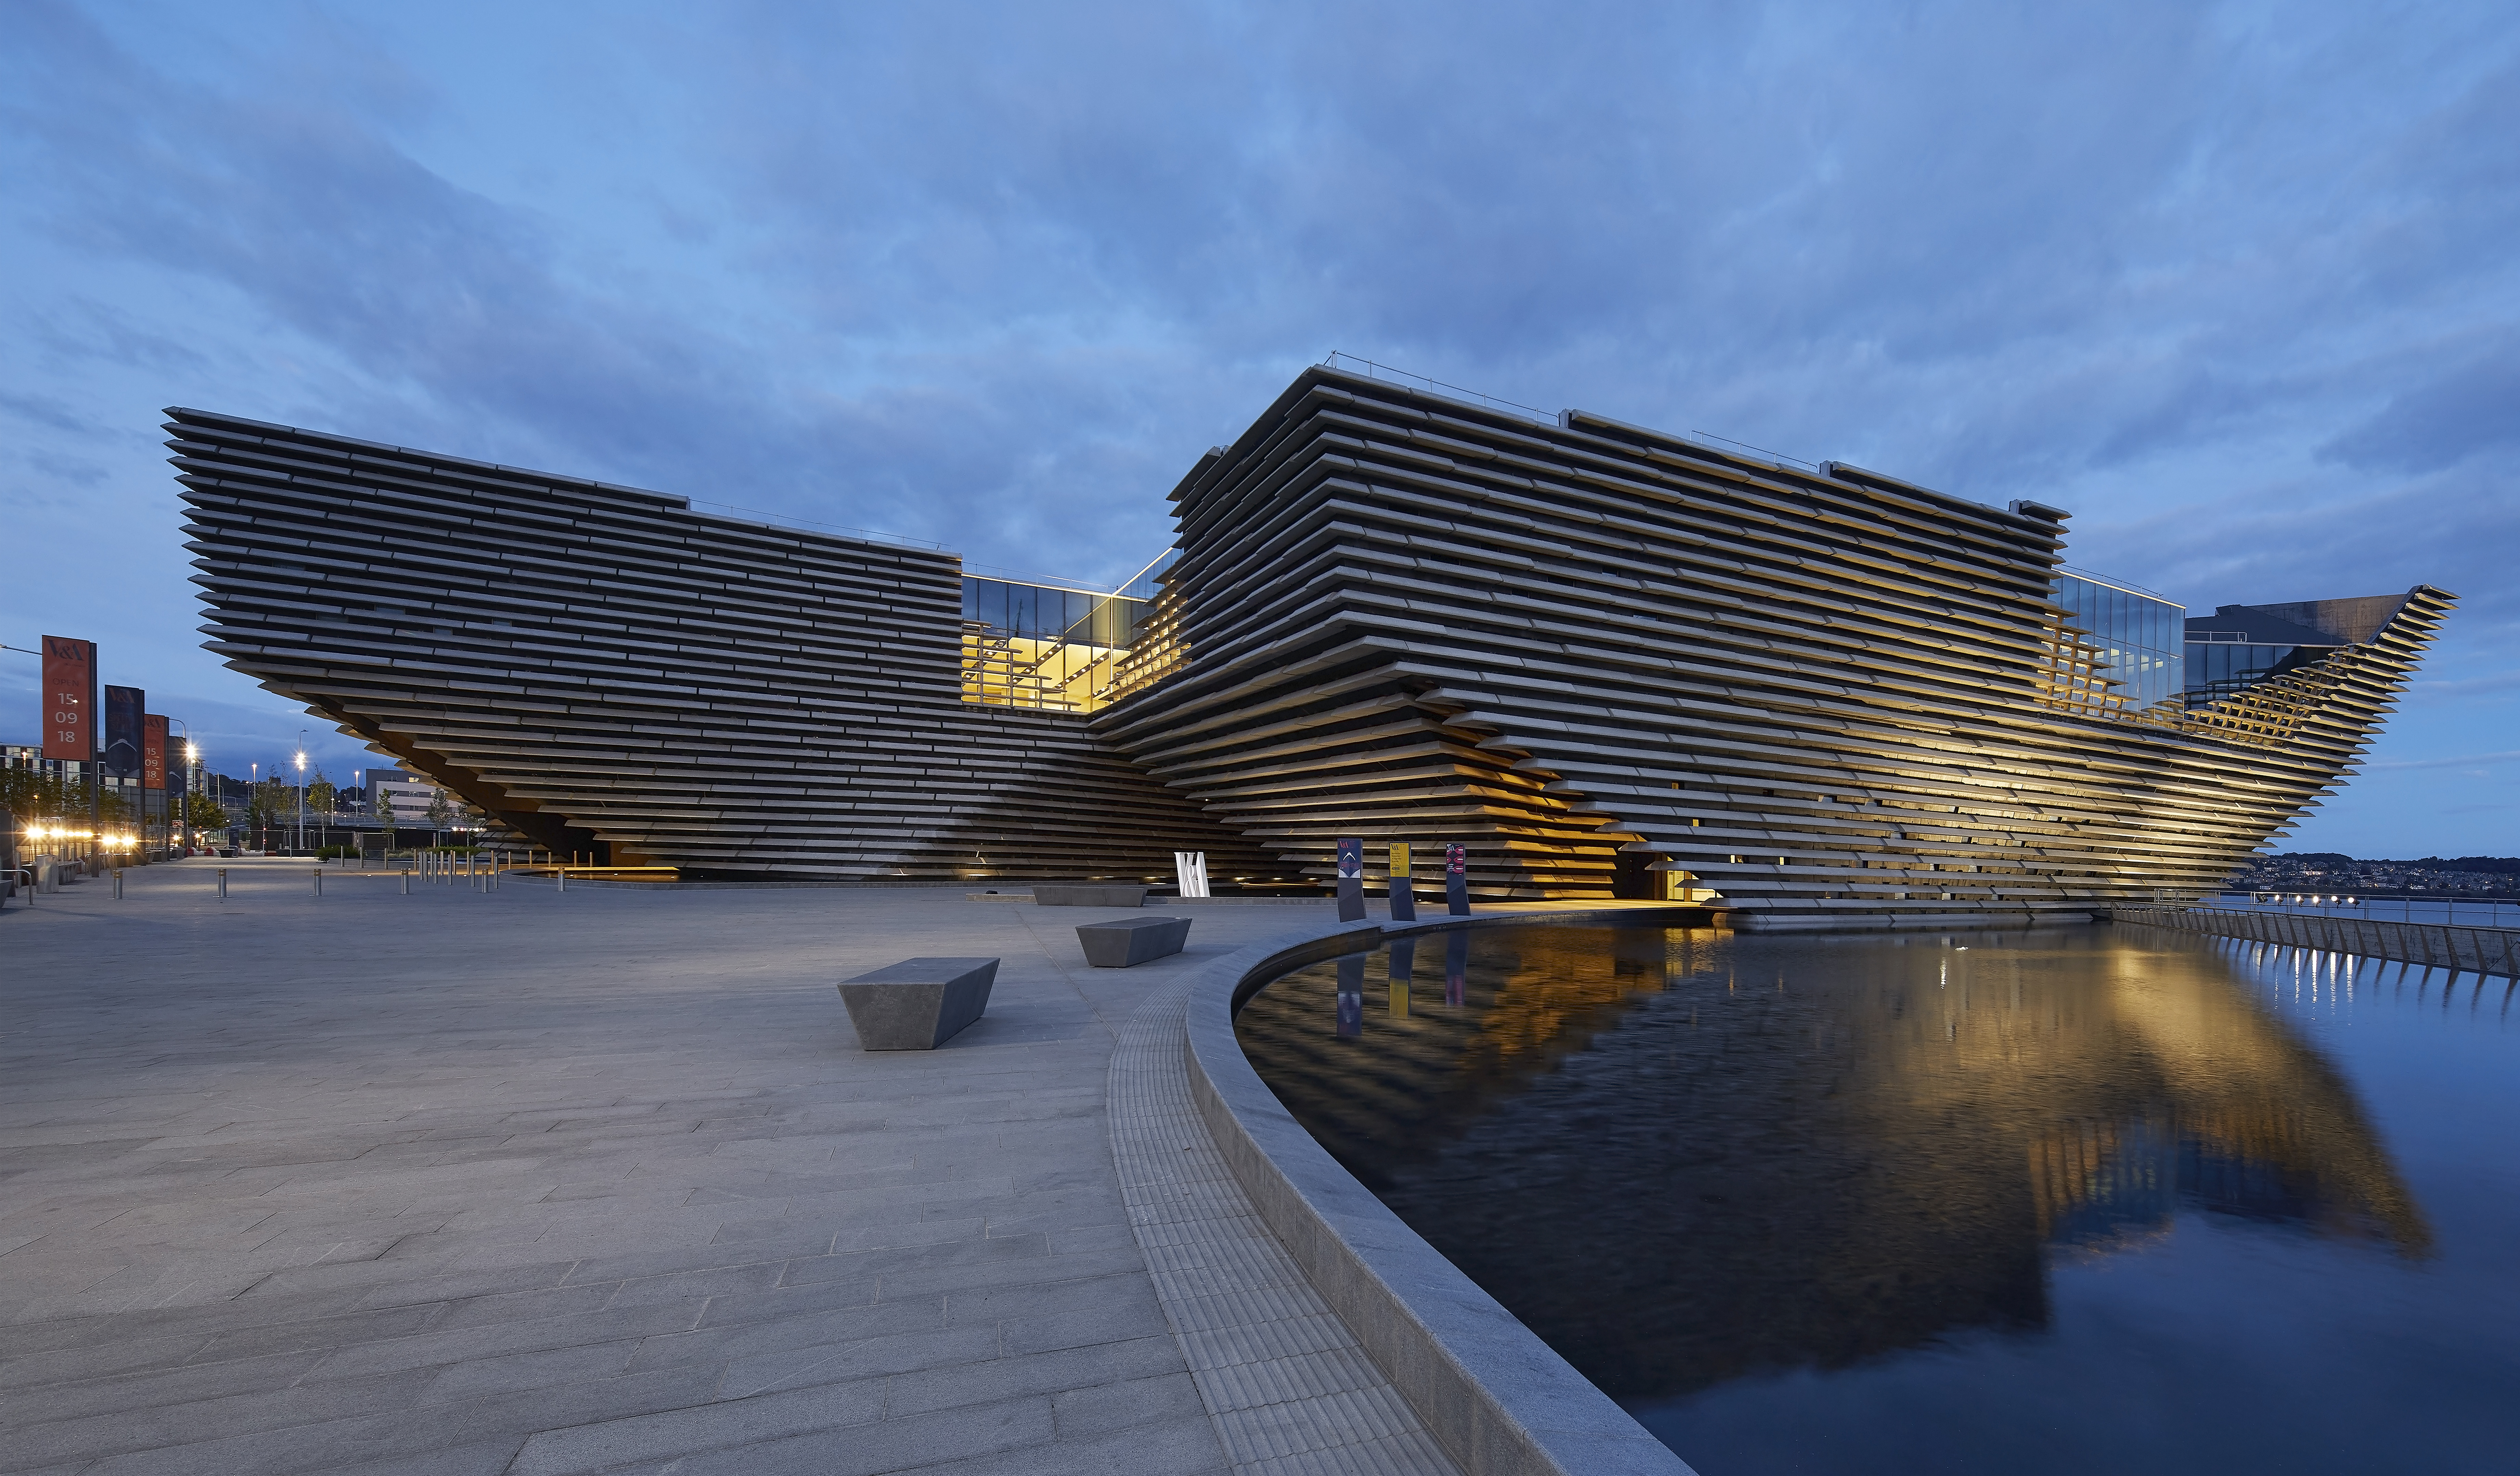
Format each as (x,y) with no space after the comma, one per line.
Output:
(268,804)
(440,813)
(203,813)
(321,797)
(29,793)
(380,807)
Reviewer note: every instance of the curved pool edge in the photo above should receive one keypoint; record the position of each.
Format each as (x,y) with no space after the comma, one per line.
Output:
(1501,1402)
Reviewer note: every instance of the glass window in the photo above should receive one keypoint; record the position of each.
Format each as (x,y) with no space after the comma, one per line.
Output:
(1052,648)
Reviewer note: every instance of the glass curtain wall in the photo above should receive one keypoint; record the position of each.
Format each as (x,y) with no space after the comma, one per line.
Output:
(2221,666)
(1056,649)
(2117,652)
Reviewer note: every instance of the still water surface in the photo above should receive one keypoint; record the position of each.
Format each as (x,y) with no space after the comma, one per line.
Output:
(2088,1199)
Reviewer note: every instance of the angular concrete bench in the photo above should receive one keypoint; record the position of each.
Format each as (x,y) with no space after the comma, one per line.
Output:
(918,1004)
(1132,941)
(1089,894)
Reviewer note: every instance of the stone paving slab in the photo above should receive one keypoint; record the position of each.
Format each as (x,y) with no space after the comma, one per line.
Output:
(599,1181)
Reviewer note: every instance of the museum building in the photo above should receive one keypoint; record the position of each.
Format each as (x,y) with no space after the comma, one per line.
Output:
(1611,661)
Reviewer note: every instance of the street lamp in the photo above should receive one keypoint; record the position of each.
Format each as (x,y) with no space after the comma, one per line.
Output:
(300,848)
(192,787)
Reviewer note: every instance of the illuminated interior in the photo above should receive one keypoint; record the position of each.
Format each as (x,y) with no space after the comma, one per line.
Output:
(1060,648)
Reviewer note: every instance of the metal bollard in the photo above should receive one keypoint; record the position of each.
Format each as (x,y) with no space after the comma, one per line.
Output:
(223,883)
(118,883)
(563,880)
(406,882)
(318,874)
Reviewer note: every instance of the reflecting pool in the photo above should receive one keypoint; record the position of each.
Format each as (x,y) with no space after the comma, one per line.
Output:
(2090,1199)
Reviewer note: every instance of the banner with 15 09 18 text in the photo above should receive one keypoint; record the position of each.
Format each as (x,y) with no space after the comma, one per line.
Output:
(70,698)
(153,751)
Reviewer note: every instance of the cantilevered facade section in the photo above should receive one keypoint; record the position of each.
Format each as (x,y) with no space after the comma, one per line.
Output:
(1609,661)
(609,670)
(1591,650)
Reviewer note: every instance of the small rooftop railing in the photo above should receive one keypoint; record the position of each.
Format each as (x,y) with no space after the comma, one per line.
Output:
(1348,363)
(2115,583)
(804,525)
(898,540)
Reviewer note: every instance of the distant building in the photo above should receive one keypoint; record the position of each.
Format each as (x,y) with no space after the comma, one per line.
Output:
(409,794)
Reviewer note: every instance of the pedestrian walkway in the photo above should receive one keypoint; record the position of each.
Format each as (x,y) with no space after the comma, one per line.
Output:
(526,1180)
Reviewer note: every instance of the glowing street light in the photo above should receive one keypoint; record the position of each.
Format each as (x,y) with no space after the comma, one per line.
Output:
(192,787)
(300,848)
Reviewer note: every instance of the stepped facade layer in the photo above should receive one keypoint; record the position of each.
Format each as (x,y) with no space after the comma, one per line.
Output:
(1586,650)
(609,670)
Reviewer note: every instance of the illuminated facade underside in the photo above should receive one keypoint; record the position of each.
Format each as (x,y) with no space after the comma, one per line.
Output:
(1599,655)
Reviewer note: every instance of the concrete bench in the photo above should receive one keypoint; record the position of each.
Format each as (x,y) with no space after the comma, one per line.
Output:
(1089,894)
(1132,941)
(918,1004)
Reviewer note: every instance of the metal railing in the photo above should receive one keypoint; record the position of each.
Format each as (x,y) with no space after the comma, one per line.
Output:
(2394,907)
(2461,949)
(1364,367)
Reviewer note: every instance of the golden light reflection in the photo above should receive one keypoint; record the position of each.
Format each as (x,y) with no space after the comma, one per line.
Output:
(1811,1151)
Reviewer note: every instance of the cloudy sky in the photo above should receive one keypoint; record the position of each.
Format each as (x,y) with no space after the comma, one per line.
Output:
(2233,283)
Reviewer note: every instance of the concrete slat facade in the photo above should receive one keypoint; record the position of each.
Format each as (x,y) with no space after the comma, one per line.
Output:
(1594,653)
(609,670)
(1827,693)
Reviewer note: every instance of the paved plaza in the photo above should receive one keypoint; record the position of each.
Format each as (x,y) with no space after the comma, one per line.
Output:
(526,1180)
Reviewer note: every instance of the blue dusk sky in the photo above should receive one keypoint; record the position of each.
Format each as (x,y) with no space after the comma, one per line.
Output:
(2236,283)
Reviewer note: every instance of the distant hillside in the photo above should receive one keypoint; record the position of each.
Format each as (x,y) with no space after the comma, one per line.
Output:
(2330,870)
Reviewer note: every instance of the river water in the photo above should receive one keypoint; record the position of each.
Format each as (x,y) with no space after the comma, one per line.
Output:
(2089,1200)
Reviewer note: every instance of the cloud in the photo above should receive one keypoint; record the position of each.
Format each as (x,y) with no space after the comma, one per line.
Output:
(2469,409)
(79,327)
(45,411)
(2459,761)
(68,469)
(2466,687)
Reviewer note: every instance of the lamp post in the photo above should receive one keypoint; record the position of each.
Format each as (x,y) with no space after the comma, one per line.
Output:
(299,849)
(192,787)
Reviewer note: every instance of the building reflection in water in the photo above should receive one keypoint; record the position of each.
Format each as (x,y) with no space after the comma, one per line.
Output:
(1681,1156)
